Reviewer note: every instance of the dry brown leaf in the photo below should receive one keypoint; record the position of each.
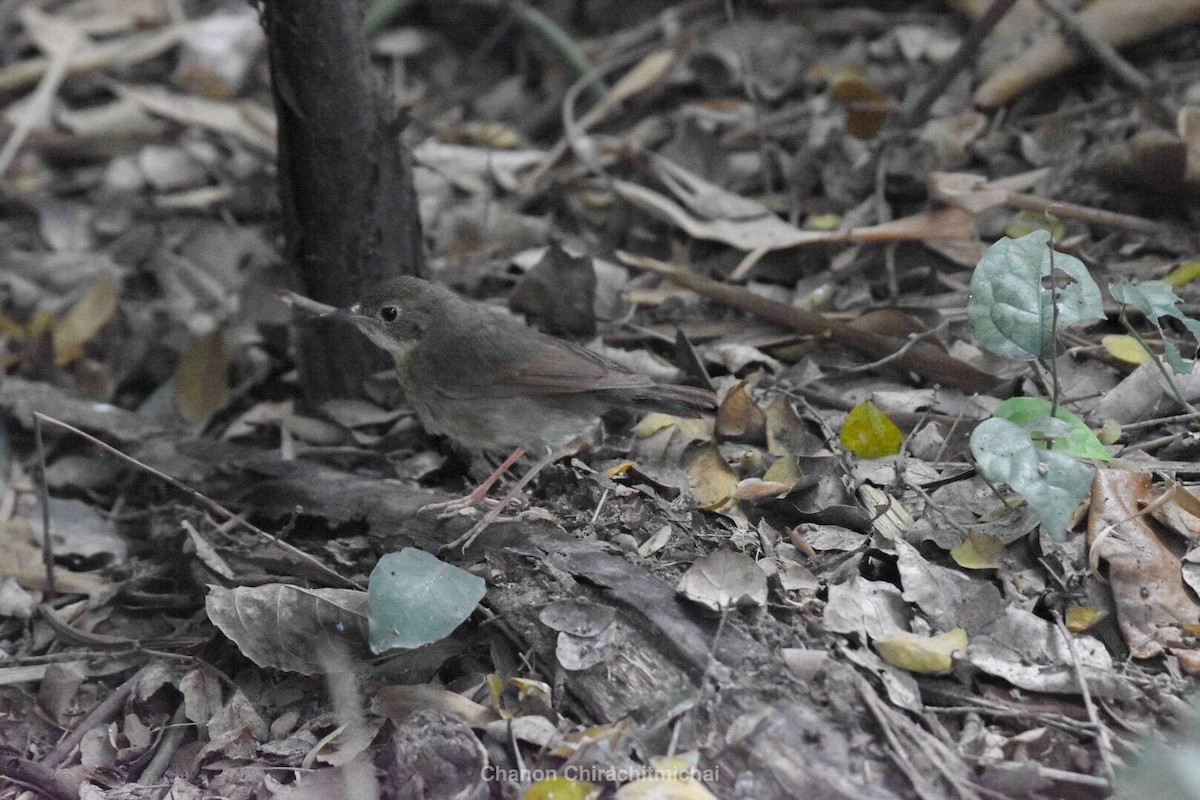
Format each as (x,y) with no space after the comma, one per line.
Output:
(398,701)
(1117,22)
(202,378)
(83,321)
(713,482)
(1145,566)
(739,417)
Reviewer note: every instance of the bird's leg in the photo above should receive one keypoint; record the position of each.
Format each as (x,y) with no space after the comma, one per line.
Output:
(478,497)
(470,536)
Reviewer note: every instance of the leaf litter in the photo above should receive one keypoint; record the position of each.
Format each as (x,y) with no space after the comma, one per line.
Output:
(887,516)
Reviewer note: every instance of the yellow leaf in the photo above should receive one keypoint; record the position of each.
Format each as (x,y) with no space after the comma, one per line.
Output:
(1186,272)
(493,135)
(202,378)
(693,428)
(614,732)
(678,767)
(1185,500)
(978,552)
(785,471)
(560,788)
(11,329)
(868,433)
(927,655)
(83,321)
(1124,347)
(617,470)
(1110,432)
(495,687)
(1081,618)
(40,323)
(867,102)
(823,222)
(713,482)
(1026,222)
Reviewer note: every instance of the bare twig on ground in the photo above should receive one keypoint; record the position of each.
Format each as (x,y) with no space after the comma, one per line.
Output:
(1103,741)
(207,501)
(921,357)
(101,713)
(1107,56)
(967,50)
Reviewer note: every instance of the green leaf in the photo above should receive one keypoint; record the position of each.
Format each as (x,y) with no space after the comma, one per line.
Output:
(1157,299)
(1071,435)
(1052,483)
(1012,313)
(414,598)
(868,433)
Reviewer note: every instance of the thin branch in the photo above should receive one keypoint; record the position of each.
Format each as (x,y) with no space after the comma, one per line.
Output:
(206,501)
(44,491)
(966,51)
(1090,45)
(1103,740)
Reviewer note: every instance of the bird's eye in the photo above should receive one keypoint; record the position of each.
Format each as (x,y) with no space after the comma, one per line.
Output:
(389,313)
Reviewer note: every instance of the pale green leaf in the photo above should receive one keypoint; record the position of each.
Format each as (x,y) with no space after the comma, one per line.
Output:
(1013,313)
(1071,435)
(414,598)
(1052,483)
(1157,299)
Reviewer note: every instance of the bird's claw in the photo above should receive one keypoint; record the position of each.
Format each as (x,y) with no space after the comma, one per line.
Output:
(469,537)
(453,508)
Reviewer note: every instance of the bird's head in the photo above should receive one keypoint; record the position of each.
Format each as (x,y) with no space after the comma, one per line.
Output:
(396,313)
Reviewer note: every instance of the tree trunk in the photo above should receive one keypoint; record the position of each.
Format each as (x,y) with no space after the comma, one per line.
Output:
(345,182)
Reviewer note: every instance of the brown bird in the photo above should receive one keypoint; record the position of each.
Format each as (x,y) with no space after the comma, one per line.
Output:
(491,384)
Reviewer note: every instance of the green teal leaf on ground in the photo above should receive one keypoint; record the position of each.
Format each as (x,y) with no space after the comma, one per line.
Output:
(1054,484)
(1071,435)
(1012,312)
(415,598)
(868,433)
(1157,299)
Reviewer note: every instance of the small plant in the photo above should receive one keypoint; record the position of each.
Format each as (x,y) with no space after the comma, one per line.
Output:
(1023,294)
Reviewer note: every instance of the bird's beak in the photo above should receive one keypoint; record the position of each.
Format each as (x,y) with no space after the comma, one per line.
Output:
(352,314)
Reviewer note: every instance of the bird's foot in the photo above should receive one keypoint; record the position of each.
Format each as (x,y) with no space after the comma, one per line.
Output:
(468,504)
(470,536)
(491,516)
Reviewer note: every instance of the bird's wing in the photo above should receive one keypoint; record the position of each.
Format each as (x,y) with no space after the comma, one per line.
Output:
(499,357)
(561,368)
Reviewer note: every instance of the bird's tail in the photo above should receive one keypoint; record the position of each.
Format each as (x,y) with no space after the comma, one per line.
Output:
(683,401)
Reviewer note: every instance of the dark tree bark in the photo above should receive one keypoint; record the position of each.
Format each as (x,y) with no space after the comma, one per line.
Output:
(345,181)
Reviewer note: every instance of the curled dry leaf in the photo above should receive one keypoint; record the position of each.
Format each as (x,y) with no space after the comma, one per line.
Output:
(399,701)
(713,482)
(739,417)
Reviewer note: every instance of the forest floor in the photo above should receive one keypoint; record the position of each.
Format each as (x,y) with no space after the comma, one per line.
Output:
(938,540)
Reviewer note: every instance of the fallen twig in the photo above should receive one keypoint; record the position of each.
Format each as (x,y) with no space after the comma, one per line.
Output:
(923,358)
(966,51)
(207,501)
